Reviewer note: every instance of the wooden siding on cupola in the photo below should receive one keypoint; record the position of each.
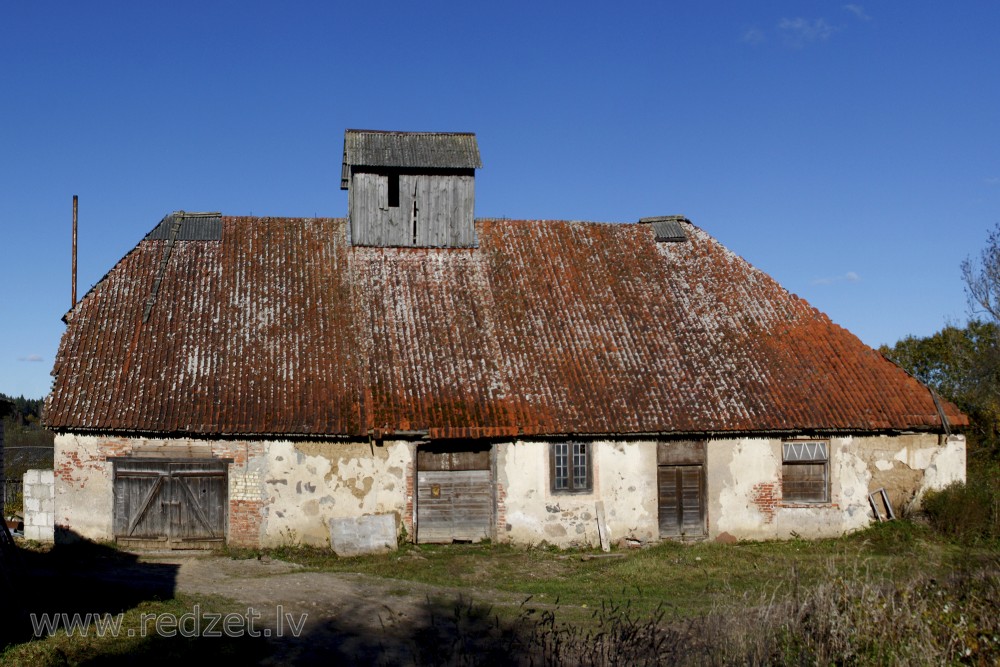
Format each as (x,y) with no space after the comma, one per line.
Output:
(411,189)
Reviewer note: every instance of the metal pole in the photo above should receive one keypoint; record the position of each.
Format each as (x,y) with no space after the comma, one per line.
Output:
(74,250)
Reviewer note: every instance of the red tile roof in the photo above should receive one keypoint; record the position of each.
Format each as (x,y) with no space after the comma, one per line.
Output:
(281,328)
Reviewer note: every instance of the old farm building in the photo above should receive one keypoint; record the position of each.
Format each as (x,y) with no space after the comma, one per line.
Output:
(249,379)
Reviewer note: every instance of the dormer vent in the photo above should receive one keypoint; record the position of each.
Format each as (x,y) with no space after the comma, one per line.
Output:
(667,228)
(411,189)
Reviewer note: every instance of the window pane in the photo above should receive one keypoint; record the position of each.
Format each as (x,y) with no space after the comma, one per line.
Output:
(804,482)
(804,451)
(579,465)
(561,464)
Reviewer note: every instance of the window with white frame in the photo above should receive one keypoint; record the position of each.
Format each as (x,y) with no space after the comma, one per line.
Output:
(805,471)
(570,466)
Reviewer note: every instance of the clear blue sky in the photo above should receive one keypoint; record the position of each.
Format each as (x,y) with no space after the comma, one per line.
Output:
(852,151)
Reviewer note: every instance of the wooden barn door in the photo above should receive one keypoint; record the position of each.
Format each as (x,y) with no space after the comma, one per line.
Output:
(177,504)
(454,493)
(681,484)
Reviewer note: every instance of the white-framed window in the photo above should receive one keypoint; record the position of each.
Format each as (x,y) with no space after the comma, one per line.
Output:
(805,471)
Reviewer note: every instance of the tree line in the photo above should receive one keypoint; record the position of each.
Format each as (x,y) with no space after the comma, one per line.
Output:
(962,363)
(26,443)
(27,411)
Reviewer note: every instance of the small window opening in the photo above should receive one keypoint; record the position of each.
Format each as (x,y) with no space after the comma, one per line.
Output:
(805,472)
(394,190)
(570,467)
(413,218)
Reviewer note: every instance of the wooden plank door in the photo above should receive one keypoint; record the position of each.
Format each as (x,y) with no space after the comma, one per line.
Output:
(454,493)
(173,504)
(682,500)
(139,489)
(199,494)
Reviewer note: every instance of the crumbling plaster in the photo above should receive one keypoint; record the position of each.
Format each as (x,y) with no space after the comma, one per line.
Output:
(83,494)
(909,465)
(624,479)
(307,484)
(279,492)
(286,492)
(744,483)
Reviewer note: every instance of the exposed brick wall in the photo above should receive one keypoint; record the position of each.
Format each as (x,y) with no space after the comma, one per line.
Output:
(245,518)
(74,464)
(408,514)
(766,498)
(68,466)
(246,492)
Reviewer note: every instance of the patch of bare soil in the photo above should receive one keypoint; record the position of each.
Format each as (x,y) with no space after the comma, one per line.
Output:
(365,619)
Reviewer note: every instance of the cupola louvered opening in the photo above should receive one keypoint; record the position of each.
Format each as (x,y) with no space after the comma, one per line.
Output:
(411,189)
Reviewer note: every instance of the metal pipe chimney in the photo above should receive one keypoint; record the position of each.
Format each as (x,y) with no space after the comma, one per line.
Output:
(75,199)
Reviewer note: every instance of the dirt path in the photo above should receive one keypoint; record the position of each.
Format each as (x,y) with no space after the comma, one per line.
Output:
(366,619)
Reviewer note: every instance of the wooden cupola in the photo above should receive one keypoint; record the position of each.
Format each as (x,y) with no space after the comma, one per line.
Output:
(411,189)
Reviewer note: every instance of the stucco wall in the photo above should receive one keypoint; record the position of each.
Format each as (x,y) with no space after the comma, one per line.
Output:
(283,492)
(83,493)
(307,484)
(624,478)
(745,495)
(279,492)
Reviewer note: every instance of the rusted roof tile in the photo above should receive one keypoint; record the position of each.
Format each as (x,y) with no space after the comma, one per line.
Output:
(547,328)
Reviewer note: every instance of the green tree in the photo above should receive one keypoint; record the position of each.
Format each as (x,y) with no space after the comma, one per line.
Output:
(982,279)
(963,365)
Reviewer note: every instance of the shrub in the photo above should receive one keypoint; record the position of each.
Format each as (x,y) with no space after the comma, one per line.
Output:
(861,619)
(966,511)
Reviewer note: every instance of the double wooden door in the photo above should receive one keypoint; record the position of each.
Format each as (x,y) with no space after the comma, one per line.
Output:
(177,504)
(682,500)
(680,477)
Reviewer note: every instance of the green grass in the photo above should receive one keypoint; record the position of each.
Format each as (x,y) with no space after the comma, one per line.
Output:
(897,592)
(144,646)
(686,579)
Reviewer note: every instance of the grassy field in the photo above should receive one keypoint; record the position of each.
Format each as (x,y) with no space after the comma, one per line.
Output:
(896,593)
(688,579)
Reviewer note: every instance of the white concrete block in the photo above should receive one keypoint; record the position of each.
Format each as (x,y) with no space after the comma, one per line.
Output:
(363,535)
(31,477)
(47,477)
(39,534)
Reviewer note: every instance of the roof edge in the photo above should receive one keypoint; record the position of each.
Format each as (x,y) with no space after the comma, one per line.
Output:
(426,435)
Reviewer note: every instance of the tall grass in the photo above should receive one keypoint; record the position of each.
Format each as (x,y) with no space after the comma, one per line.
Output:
(861,619)
(852,618)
